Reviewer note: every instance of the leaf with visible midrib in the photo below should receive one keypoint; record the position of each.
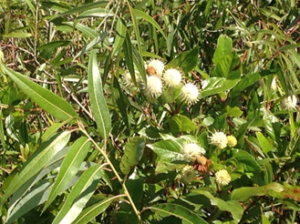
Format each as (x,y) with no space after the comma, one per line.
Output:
(167,209)
(69,167)
(98,103)
(37,161)
(80,194)
(89,213)
(47,100)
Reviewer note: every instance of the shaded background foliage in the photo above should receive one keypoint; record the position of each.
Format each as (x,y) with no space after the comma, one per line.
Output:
(238,49)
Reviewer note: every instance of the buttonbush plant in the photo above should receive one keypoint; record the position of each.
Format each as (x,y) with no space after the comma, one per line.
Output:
(149,111)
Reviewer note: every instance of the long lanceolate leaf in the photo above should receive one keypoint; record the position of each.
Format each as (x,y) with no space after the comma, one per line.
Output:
(89,213)
(98,103)
(37,161)
(178,211)
(80,194)
(47,100)
(69,167)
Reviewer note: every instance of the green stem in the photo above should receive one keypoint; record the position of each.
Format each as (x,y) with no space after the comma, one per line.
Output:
(103,152)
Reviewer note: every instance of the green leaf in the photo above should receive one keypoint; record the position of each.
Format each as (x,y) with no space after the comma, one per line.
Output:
(224,47)
(246,160)
(90,212)
(186,215)
(120,36)
(17,35)
(264,143)
(54,45)
(134,150)
(128,53)
(36,196)
(47,100)
(293,144)
(69,167)
(230,206)
(186,60)
(96,12)
(228,67)
(217,85)
(80,194)
(87,31)
(145,16)
(37,161)
(169,150)
(234,111)
(244,193)
(82,8)
(98,103)
(54,163)
(181,123)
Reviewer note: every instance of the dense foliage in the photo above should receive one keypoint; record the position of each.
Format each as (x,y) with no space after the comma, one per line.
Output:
(149,111)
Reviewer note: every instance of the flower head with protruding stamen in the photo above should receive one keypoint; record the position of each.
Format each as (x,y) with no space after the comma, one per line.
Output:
(154,87)
(189,94)
(155,67)
(192,150)
(128,81)
(219,139)
(289,103)
(223,177)
(172,77)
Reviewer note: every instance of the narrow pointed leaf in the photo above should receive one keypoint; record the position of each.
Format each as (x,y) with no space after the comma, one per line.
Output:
(98,103)
(145,16)
(36,196)
(54,163)
(47,100)
(69,167)
(186,215)
(89,213)
(85,185)
(37,161)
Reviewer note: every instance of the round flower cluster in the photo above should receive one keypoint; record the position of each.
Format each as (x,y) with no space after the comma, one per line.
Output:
(192,150)
(189,94)
(159,79)
(172,77)
(155,67)
(154,87)
(128,81)
(231,141)
(223,177)
(219,139)
(188,174)
(289,103)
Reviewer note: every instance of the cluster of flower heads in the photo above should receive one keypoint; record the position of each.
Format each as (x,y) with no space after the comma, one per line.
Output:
(220,140)
(159,78)
(195,154)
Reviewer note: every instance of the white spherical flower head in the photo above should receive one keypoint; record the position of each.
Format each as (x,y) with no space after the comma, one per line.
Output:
(189,94)
(188,174)
(154,87)
(192,150)
(155,67)
(172,77)
(289,103)
(219,139)
(223,177)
